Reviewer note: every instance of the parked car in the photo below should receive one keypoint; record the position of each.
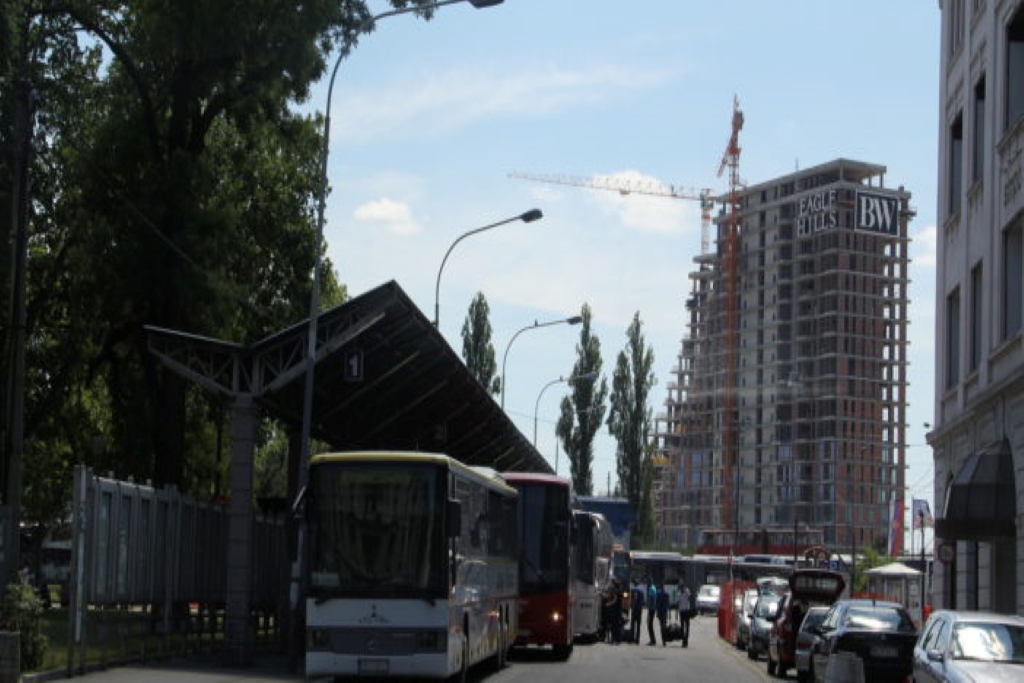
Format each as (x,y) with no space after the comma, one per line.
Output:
(707,599)
(805,640)
(881,634)
(970,646)
(765,611)
(807,587)
(743,616)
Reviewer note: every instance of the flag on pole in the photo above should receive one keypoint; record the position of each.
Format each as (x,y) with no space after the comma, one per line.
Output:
(922,514)
(896,529)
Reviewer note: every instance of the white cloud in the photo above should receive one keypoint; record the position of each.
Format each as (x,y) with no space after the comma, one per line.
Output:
(649,205)
(395,217)
(924,247)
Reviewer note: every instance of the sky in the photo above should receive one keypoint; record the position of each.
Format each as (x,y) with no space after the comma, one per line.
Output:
(430,118)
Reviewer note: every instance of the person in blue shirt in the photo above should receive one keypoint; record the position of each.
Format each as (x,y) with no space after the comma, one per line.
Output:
(636,612)
(651,602)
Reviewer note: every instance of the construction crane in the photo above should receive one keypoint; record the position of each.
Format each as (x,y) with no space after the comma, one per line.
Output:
(730,267)
(625,186)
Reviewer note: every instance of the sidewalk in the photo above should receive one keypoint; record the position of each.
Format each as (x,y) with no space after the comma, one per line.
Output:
(202,668)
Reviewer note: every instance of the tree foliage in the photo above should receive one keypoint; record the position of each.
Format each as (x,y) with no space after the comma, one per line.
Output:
(629,419)
(582,411)
(172,185)
(477,349)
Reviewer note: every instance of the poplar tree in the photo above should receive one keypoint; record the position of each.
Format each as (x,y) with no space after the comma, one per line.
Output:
(477,349)
(582,411)
(629,419)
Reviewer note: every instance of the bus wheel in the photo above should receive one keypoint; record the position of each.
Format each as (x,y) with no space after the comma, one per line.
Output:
(502,649)
(563,652)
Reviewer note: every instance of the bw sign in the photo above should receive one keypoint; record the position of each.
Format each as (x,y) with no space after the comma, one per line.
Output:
(877,213)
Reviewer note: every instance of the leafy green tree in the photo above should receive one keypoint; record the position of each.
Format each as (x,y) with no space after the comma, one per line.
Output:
(582,411)
(477,349)
(629,419)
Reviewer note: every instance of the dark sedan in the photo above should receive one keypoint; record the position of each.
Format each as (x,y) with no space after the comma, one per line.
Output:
(881,635)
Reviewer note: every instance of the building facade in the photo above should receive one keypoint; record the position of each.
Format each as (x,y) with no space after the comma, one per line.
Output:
(784,426)
(978,430)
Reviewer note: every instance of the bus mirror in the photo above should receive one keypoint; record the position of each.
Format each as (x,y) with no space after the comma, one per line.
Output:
(454,521)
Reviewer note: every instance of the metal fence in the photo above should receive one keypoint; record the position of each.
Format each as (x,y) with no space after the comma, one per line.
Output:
(149,567)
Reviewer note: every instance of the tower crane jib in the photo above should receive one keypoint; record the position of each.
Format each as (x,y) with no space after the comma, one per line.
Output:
(626,186)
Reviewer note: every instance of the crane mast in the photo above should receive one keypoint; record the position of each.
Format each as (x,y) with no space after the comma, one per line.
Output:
(730,267)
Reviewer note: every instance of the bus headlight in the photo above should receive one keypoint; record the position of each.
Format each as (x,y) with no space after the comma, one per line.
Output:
(556,616)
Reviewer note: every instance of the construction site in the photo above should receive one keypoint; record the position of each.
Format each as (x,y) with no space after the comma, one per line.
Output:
(784,424)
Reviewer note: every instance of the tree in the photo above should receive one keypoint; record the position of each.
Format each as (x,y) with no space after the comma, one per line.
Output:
(582,411)
(172,186)
(629,419)
(477,349)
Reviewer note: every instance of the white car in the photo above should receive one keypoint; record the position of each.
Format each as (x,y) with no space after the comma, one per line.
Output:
(970,646)
(707,599)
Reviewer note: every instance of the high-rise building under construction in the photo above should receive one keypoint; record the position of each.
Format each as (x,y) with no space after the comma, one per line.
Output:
(785,423)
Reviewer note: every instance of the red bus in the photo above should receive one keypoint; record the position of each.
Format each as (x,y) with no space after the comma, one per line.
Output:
(545,574)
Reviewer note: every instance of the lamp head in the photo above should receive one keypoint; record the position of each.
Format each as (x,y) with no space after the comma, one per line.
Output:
(480,4)
(531,216)
(575,320)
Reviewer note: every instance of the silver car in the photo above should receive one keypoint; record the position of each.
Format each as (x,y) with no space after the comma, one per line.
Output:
(743,616)
(970,646)
(765,611)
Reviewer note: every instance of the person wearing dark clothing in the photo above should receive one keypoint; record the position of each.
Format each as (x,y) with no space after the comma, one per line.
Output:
(661,606)
(685,612)
(651,600)
(636,612)
(616,613)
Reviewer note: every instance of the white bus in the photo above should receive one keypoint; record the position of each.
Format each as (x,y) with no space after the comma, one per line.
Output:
(592,571)
(412,566)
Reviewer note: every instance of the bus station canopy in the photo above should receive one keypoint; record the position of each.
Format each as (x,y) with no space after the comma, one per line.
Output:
(384,379)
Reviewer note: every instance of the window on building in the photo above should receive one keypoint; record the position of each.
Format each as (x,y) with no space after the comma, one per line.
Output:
(953,338)
(1013,279)
(956,162)
(978,141)
(976,320)
(956,25)
(1015,69)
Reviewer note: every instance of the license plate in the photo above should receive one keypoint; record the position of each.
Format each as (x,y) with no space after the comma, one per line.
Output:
(373,666)
(884,652)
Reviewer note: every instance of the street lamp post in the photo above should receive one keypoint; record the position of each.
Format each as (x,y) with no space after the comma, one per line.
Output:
(574,320)
(570,380)
(528,217)
(314,297)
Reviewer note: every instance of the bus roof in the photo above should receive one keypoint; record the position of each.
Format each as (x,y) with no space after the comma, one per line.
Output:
(439,459)
(536,478)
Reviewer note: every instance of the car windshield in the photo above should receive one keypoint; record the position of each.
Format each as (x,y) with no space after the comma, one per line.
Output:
(766,607)
(709,591)
(989,642)
(813,618)
(877,618)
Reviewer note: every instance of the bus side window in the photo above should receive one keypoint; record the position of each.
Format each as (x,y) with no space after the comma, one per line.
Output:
(454,521)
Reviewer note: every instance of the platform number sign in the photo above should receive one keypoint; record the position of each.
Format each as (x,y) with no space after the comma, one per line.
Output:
(354,365)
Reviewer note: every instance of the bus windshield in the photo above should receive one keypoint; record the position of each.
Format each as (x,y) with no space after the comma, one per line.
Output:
(545,551)
(377,529)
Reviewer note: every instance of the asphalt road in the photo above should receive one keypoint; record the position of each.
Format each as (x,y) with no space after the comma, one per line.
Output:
(707,658)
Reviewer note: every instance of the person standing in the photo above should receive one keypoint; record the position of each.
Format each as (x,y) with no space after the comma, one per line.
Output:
(636,612)
(661,606)
(651,601)
(683,595)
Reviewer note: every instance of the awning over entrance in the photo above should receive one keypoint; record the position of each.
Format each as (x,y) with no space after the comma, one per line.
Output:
(981,502)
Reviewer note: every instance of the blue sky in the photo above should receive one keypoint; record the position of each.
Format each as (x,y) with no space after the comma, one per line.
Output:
(429,119)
